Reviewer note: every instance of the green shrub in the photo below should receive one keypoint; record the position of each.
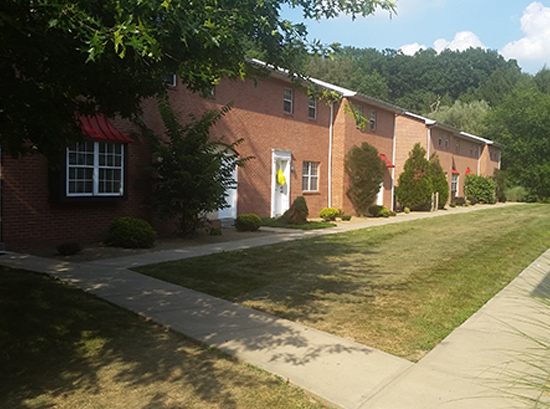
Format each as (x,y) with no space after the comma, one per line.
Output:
(345,217)
(516,194)
(329,214)
(499,177)
(366,172)
(248,222)
(129,232)
(458,201)
(215,231)
(415,185)
(439,181)
(452,204)
(69,248)
(298,212)
(406,210)
(392,213)
(379,211)
(480,188)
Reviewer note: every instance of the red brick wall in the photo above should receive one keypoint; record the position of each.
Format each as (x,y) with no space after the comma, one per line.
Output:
(257,117)
(408,132)
(30,219)
(451,158)
(488,164)
(347,134)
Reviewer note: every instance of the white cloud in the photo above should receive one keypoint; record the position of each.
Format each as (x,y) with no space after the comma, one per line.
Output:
(411,49)
(461,42)
(535,23)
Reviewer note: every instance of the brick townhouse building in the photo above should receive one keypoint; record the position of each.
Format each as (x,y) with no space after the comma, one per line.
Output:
(306,139)
(459,153)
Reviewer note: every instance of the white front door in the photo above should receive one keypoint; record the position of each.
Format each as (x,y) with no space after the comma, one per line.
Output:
(280,182)
(231,199)
(380,196)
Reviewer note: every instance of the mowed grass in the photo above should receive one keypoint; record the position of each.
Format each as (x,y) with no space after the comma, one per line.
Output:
(61,348)
(401,288)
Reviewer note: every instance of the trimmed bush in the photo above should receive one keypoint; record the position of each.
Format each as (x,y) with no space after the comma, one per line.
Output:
(480,188)
(215,231)
(69,248)
(129,232)
(329,214)
(406,210)
(248,222)
(379,211)
(345,217)
(458,201)
(298,212)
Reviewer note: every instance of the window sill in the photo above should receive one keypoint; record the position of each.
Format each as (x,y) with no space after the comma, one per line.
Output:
(310,192)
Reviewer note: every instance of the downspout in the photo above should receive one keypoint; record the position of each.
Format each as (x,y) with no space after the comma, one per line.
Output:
(479,162)
(393,162)
(330,135)
(428,143)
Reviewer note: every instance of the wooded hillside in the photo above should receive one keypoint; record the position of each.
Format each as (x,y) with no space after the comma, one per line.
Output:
(476,90)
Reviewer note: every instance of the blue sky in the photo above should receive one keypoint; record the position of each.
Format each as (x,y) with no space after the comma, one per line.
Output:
(518,29)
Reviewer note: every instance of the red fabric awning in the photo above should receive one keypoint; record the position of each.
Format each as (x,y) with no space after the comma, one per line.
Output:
(99,128)
(455,172)
(468,171)
(386,160)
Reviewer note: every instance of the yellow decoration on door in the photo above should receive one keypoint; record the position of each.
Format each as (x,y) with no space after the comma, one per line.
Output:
(281,177)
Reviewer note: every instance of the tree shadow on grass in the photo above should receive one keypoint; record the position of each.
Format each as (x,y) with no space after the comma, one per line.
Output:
(57,342)
(299,281)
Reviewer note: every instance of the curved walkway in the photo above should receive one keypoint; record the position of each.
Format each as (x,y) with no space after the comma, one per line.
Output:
(475,367)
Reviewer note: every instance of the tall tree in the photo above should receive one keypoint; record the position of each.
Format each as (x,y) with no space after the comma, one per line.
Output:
(522,123)
(62,56)
(469,117)
(415,183)
(366,174)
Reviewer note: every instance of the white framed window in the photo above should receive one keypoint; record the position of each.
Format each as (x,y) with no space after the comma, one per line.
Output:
(440,139)
(310,176)
(95,169)
(312,108)
(288,101)
(457,146)
(471,149)
(372,120)
(454,184)
(446,142)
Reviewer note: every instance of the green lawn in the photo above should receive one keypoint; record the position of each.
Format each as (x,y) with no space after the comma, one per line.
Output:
(401,288)
(61,348)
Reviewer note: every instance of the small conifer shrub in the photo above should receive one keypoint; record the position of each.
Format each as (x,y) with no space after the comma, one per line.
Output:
(248,222)
(298,212)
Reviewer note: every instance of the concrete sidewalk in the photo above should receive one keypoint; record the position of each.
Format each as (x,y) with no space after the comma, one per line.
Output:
(475,367)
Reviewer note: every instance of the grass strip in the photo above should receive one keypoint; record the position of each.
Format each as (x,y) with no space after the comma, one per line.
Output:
(65,349)
(401,288)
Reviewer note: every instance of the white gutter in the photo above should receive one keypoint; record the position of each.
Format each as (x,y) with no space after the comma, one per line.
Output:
(428,143)
(479,161)
(330,134)
(393,162)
